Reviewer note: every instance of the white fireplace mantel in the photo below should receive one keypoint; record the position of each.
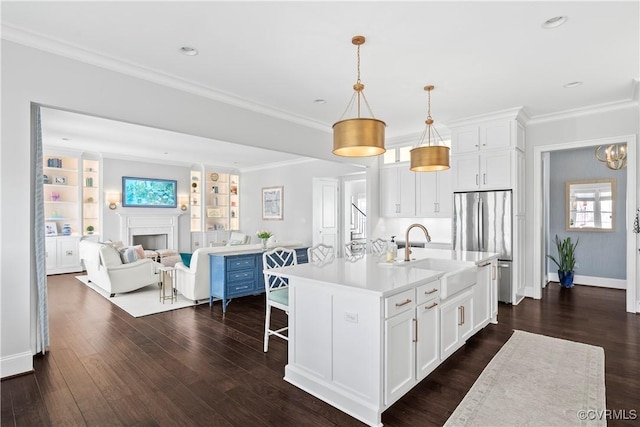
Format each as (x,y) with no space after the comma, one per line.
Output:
(139,224)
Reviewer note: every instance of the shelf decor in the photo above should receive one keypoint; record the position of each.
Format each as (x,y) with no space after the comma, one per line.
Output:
(50,229)
(273,203)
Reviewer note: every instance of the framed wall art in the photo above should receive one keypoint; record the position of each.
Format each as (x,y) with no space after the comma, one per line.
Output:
(273,203)
(50,229)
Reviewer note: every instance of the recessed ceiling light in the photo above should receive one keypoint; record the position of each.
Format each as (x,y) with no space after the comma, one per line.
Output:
(572,84)
(189,51)
(554,22)
(166,152)
(65,139)
(319,101)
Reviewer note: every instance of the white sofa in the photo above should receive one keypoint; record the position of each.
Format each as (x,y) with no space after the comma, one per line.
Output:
(194,283)
(106,270)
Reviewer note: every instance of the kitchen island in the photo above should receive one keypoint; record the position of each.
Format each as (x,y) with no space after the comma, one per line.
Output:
(363,333)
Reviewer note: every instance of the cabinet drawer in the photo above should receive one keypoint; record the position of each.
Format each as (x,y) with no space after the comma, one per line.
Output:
(242,275)
(428,291)
(240,288)
(399,303)
(241,263)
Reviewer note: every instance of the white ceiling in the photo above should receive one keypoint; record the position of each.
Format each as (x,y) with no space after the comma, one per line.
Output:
(278,57)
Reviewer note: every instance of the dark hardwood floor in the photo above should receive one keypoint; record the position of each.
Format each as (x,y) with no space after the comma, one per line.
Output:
(196,367)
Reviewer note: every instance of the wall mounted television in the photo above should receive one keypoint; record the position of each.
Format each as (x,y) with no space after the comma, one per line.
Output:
(149,192)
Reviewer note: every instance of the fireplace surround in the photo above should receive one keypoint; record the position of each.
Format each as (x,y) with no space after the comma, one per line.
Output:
(145,224)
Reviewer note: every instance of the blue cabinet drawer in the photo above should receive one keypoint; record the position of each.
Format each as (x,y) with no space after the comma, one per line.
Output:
(238,276)
(240,288)
(241,263)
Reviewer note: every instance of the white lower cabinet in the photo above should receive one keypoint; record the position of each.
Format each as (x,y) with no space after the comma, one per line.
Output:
(61,254)
(400,355)
(428,344)
(456,322)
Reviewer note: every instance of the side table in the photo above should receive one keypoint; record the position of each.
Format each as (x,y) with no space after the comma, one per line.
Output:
(168,284)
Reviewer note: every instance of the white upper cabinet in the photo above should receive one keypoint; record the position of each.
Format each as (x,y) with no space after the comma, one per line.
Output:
(434,194)
(483,171)
(397,192)
(495,134)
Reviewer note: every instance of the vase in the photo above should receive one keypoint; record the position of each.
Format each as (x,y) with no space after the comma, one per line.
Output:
(565,278)
(264,243)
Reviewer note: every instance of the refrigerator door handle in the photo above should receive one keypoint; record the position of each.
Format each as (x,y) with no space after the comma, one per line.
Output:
(480,225)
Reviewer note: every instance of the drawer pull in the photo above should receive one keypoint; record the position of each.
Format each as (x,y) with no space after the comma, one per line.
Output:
(429,307)
(400,304)
(431,291)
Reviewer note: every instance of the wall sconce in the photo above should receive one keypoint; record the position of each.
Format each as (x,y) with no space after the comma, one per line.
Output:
(112,200)
(184,202)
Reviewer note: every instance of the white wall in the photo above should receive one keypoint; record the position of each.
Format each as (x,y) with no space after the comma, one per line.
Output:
(30,75)
(297,179)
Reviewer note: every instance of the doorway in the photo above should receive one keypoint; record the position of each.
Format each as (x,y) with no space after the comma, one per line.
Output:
(541,200)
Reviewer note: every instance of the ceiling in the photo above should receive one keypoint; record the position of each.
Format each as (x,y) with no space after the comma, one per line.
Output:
(278,57)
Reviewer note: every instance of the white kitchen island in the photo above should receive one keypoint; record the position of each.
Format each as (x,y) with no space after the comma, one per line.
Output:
(363,333)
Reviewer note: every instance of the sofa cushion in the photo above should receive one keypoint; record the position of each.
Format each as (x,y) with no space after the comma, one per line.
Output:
(110,256)
(129,254)
(140,250)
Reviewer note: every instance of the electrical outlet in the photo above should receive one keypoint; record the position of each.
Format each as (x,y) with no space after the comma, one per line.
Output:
(351,317)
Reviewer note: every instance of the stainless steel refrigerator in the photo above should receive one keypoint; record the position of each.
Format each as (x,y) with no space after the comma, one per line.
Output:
(482,221)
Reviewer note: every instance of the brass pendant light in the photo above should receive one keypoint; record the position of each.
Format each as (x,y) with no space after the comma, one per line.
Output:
(358,137)
(429,158)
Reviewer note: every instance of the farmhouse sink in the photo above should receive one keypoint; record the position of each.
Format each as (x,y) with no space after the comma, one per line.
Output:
(458,276)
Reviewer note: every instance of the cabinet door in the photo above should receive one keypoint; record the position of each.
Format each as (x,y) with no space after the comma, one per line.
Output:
(496,134)
(495,170)
(389,197)
(427,194)
(466,175)
(449,328)
(67,253)
(482,297)
(399,349)
(428,344)
(51,253)
(466,320)
(407,190)
(465,139)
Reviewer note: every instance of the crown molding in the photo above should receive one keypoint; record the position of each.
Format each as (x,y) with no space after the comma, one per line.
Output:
(516,113)
(62,48)
(584,111)
(279,164)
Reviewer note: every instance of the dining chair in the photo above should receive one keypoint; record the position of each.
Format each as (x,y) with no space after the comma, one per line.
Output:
(354,250)
(321,254)
(378,246)
(277,289)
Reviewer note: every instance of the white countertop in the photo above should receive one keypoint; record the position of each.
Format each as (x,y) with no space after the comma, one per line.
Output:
(373,274)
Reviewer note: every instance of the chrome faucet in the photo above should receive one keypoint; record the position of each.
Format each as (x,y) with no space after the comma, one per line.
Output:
(407,247)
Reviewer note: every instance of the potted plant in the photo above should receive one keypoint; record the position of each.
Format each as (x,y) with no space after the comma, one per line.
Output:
(90,229)
(566,260)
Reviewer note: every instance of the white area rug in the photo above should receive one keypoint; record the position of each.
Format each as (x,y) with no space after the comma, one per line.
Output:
(143,302)
(535,380)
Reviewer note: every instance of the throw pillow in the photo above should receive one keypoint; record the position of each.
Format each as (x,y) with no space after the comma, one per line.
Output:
(110,256)
(140,250)
(128,255)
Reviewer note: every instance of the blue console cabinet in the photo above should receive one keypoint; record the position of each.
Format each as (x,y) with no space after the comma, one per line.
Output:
(238,275)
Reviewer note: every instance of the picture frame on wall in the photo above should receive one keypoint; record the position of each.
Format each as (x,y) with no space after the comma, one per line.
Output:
(273,203)
(50,229)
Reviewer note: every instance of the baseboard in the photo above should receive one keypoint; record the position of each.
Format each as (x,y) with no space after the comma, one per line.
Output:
(603,282)
(16,364)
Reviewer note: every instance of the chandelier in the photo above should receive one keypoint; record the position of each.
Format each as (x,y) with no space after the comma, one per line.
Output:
(429,158)
(358,137)
(615,155)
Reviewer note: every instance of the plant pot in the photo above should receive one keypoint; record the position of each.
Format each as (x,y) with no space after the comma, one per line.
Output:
(565,278)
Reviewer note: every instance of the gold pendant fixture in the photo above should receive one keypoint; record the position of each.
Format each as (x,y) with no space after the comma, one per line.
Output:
(615,155)
(358,137)
(429,158)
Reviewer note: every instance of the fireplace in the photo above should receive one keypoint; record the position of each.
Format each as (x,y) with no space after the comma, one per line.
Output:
(152,225)
(151,241)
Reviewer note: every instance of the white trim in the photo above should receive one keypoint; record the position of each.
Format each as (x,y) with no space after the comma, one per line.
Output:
(584,111)
(15,364)
(603,282)
(517,113)
(135,224)
(282,164)
(538,237)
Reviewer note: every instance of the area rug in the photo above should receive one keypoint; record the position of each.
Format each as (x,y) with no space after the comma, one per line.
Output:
(535,380)
(142,302)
